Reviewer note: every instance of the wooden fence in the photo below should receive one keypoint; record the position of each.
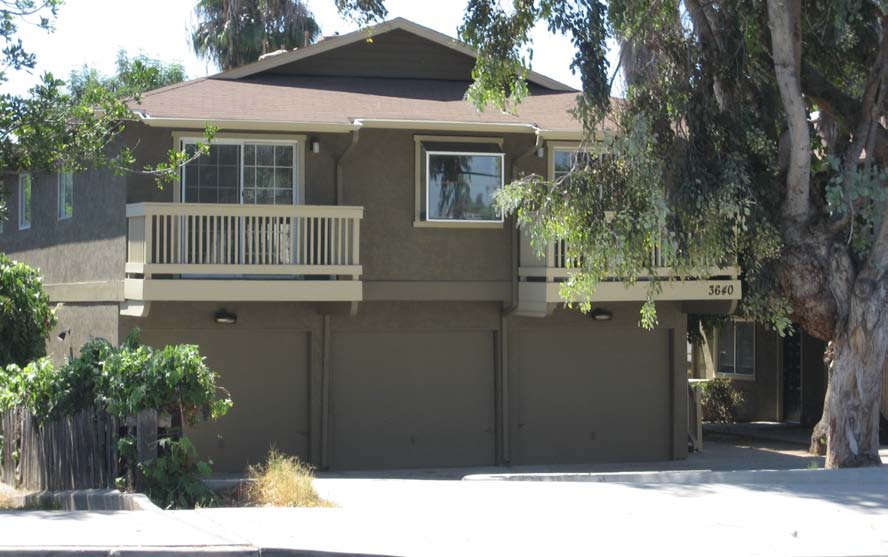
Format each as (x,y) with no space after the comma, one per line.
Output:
(77,452)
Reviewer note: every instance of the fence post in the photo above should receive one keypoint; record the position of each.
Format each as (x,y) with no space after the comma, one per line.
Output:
(146,441)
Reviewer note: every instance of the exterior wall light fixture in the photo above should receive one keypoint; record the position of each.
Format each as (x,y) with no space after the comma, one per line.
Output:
(600,314)
(315,146)
(64,334)
(225,317)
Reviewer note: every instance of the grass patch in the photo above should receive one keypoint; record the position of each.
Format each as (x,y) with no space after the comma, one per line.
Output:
(283,481)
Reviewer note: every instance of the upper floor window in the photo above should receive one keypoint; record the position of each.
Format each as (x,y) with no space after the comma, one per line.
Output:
(461,186)
(459,181)
(564,159)
(736,349)
(234,171)
(24,201)
(66,195)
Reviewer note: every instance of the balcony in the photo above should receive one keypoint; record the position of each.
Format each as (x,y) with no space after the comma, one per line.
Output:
(540,278)
(218,252)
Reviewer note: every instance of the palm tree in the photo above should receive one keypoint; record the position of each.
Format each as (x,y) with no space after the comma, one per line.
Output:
(236,32)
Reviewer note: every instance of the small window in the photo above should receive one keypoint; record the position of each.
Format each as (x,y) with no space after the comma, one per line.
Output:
(66,195)
(461,182)
(24,201)
(736,349)
(564,159)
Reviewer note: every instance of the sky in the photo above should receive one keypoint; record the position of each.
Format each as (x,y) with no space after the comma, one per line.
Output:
(91,32)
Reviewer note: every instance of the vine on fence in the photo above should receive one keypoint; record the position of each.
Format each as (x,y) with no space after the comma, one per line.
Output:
(121,380)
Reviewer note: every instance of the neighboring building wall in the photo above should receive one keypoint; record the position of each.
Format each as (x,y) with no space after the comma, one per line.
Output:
(81,322)
(88,247)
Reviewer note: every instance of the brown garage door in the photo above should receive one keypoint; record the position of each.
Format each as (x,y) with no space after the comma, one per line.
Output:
(267,375)
(590,395)
(412,399)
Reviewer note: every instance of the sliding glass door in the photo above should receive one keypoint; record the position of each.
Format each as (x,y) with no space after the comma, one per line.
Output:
(245,173)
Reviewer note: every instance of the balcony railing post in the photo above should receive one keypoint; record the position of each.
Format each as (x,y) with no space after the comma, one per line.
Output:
(356,242)
(149,239)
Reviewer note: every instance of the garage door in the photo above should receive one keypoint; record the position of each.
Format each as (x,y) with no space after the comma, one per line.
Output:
(591,395)
(267,375)
(412,399)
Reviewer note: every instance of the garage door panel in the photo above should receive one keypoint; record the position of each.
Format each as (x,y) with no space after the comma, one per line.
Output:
(266,373)
(412,399)
(591,395)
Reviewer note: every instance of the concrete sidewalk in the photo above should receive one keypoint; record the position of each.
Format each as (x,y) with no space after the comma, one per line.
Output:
(747,513)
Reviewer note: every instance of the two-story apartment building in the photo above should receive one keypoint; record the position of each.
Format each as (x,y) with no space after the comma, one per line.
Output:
(338,259)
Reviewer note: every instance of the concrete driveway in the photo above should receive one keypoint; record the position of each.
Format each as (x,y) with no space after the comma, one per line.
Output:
(808,513)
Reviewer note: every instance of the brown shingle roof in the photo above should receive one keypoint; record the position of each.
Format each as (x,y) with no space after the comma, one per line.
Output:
(342,100)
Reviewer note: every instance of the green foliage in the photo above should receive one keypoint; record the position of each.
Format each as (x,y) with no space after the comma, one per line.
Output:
(122,380)
(25,316)
(173,479)
(133,77)
(78,125)
(502,39)
(859,193)
(12,14)
(170,379)
(231,33)
(362,12)
(720,401)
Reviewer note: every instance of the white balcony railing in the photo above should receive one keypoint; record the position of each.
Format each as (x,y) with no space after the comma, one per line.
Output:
(242,240)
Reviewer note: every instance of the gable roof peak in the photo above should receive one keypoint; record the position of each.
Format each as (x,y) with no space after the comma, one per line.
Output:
(332,42)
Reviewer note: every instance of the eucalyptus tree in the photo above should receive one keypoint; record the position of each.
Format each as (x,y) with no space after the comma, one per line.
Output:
(231,33)
(752,132)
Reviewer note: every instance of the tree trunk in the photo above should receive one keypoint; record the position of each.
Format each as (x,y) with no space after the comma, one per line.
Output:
(821,429)
(855,389)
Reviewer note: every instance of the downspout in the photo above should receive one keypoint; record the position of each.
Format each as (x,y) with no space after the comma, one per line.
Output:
(339,180)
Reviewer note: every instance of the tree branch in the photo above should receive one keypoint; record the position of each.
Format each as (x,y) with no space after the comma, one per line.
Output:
(783,22)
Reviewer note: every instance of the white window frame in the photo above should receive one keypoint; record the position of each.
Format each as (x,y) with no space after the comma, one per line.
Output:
(61,195)
(298,194)
(735,375)
(428,177)
(25,177)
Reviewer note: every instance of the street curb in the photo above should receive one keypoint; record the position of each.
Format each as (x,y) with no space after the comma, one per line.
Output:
(147,551)
(180,551)
(860,475)
(85,500)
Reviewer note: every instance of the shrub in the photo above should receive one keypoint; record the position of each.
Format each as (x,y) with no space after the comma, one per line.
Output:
(122,380)
(25,316)
(283,481)
(720,401)
(172,480)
